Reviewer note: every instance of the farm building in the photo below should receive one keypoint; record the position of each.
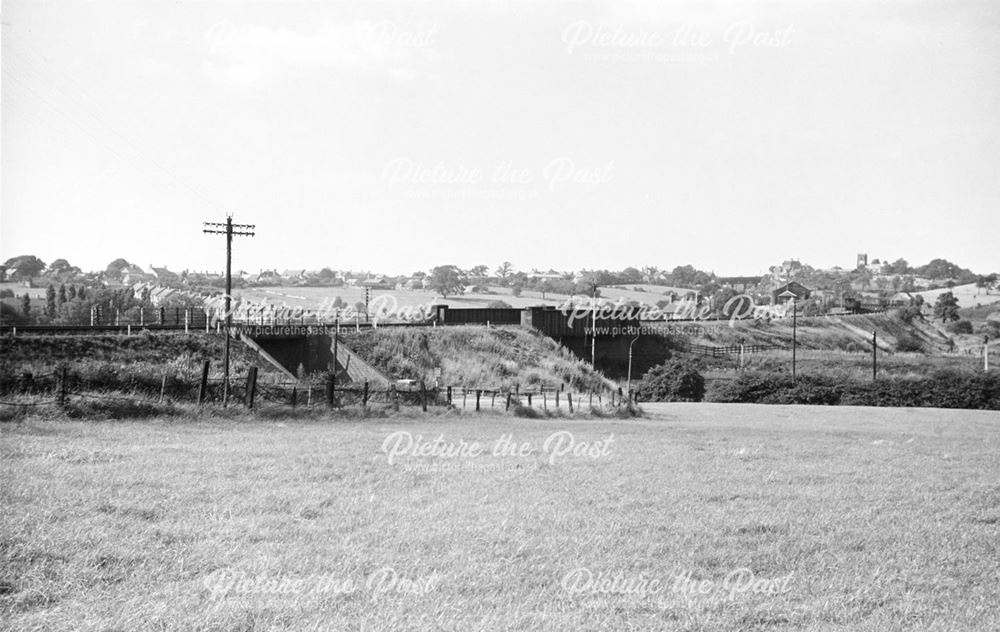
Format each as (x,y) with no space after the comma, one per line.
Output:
(800,291)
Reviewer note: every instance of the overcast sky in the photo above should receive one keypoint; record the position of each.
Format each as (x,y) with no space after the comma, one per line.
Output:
(395,136)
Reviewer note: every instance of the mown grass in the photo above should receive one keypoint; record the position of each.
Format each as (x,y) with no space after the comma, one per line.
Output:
(870,519)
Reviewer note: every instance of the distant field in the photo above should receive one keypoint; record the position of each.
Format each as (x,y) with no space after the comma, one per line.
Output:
(699,517)
(313,297)
(968,295)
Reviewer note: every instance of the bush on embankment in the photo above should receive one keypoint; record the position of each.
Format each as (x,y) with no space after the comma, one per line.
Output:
(941,389)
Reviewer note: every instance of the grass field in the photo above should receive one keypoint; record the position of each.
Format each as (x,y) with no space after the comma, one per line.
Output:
(697,517)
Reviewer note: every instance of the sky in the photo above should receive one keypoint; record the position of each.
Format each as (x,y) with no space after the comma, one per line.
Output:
(396,136)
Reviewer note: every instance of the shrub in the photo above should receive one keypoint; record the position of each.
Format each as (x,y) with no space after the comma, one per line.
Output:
(908,314)
(961,327)
(941,389)
(909,344)
(672,381)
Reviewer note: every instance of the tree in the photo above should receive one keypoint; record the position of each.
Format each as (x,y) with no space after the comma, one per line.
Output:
(946,307)
(504,270)
(447,280)
(62,268)
(899,266)
(985,281)
(72,292)
(630,275)
(940,269)
(479,272)
(81,293)
(672,381)
(24,267)
(114,269)
(26,304)
(50,301)
(61,296)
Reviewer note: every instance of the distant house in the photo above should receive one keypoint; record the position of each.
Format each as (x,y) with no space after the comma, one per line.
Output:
(293,275)
(551,275)
(375,282)
(739,284)
(800,291)
(162,274)
(131,278)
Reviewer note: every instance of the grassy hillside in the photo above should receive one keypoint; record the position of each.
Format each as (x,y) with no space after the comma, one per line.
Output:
(473,357)
(850,333)
(125,361)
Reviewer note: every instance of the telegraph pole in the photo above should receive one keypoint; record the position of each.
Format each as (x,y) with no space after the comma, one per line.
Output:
(228,229)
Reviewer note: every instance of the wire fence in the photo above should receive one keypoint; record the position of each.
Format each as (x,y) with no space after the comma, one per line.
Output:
(63,386)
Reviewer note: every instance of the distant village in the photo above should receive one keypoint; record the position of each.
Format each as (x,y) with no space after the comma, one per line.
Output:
(870,285)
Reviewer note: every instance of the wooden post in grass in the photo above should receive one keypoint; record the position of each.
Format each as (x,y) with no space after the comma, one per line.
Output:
(203,390)
(529,400)
(331,386)
(295,394)
(62,386)
(591,398)
(478,392)
(464,392)
(423,396)
(508,401)
(545,399)
(569,399)
(251,386)
(395,397)
(163,386)
(493,400)
(364,396)
(449,396)
(557,400)
(874,356)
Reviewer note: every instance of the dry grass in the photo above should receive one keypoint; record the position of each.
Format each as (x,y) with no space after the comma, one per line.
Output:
(866,520)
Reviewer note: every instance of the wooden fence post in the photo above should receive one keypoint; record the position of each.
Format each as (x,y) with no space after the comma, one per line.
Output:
(295,394)
(569,399)
(62,386)
(423,396)
(251,386)
(364,395)
(449,396)
(163,387)
(493,400)
(395,397)
(529,400)
(478,392)
(464,392)
(203,391)
(545,399)
(331,389)
(557,400)
(508,401)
